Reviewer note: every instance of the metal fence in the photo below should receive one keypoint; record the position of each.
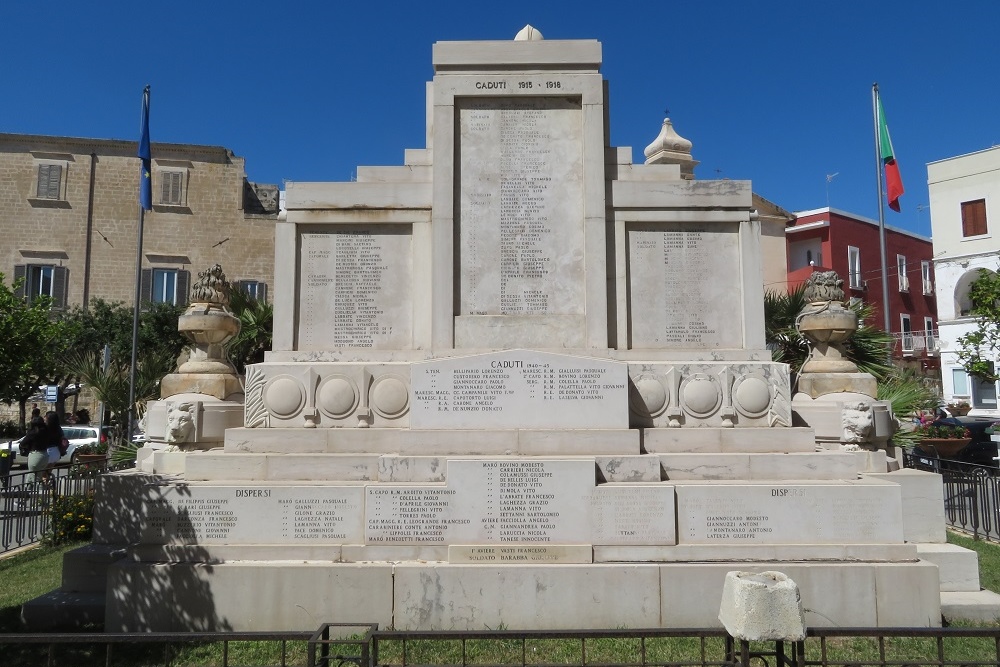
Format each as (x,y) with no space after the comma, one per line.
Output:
(341,645)
(26,502)
(228,649)
(971,494)
(823,647)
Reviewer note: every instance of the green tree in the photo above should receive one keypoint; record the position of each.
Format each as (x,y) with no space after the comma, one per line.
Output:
(32,342)
(978,348)
(159,344)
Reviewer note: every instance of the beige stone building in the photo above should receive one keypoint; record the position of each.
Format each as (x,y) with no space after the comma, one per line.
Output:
(69,210)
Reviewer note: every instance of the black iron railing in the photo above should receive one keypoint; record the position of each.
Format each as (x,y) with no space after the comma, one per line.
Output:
(154,648)
(26,500)
(971,493)
(359,645)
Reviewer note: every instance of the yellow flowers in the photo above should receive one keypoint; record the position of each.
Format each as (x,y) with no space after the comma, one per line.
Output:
(72,518)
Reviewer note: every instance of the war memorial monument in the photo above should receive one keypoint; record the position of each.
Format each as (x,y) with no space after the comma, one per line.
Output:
(519,381)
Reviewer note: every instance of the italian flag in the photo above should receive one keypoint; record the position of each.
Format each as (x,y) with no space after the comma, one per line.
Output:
(893,182)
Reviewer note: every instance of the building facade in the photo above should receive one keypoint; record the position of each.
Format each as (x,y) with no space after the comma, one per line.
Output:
(964,196)
(828,239)
(69,211)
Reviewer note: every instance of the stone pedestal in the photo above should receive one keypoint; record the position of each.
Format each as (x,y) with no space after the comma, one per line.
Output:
(519,365)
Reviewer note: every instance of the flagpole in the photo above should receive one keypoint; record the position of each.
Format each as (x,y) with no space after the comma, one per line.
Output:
(881,210)
(145,201)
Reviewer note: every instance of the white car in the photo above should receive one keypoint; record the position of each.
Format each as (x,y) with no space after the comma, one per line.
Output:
(77,434)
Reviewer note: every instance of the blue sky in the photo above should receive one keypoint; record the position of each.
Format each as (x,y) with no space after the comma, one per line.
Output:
(775,92)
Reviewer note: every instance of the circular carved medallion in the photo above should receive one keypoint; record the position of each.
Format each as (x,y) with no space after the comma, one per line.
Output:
(653,393)
(389,396)
(751,396)
(284,396)
(336,396)
(700,395)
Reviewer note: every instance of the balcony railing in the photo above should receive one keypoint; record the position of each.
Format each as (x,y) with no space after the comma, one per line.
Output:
(917,343)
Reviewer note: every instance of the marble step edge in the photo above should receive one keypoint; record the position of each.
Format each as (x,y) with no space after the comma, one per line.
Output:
(85,569)
(521,441)
(982,606)
(959,567)
(433,468)
(525,442)
(610,555)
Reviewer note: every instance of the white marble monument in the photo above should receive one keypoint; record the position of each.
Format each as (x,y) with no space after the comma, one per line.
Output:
(522,365)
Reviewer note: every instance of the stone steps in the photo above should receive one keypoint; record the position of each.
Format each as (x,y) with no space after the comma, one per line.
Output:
(959,567)
(85,570)
(458,442)
(399,468)
(357,553)
(59,610)
(545,597)
(982,606)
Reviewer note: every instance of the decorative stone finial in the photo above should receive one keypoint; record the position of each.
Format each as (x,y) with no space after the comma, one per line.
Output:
(826,323)
(209,325)
(824,286)
(211,287)
(528,34)
(671,148)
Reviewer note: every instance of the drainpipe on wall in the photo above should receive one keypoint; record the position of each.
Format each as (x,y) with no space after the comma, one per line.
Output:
(90,232)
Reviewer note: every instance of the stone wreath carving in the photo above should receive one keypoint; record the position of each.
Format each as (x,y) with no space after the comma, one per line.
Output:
(824,286)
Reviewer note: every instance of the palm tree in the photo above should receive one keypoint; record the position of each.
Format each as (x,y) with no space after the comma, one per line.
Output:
(256,327)
(869,347)
(111,384)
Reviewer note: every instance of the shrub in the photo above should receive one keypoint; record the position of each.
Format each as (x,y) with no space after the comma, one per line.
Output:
(72,519)
(10,429)
(942,432)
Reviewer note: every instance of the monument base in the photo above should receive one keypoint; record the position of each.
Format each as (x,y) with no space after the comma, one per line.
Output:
(297,595)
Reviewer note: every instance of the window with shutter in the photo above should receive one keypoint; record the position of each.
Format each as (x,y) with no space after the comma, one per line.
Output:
(49,181)
(60,283)
(925,276)
(172,188)
(904,281)
(43,280)
(254,288)
(20,278)
(974,218)
(854,267)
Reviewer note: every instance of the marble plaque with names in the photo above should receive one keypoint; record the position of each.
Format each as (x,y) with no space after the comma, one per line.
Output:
(520,206)
(502,501)
(354,289)
(527,555)
(789,514)
(633,514)
(685,285)
(519,389)
(255,515)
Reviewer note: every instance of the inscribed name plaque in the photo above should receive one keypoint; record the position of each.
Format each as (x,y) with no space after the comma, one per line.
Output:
(684,285)
(271,515)
(502,501)
(354,289)
(519,389)
(789,514)
(631,514)
(520,206)
(526,555)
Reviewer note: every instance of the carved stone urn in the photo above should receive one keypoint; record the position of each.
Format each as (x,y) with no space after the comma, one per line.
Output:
(208,324)
(826,324)
(204,396)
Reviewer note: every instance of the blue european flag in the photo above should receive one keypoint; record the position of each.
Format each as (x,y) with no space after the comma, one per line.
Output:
(145,171)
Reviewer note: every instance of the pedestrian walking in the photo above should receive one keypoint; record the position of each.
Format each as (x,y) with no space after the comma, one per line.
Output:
(35,446)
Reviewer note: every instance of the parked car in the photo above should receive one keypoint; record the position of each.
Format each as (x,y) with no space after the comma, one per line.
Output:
(981,451)
(77,434)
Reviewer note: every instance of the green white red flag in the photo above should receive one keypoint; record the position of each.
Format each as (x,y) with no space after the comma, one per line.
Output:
(893,182)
